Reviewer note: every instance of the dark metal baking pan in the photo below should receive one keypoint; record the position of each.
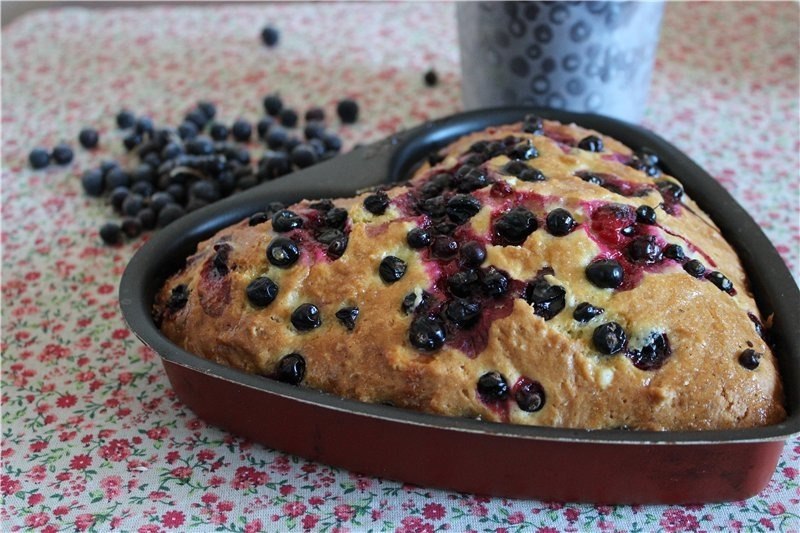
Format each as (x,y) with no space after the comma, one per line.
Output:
(607,466)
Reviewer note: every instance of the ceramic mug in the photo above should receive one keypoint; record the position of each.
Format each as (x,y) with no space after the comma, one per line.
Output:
(581,56)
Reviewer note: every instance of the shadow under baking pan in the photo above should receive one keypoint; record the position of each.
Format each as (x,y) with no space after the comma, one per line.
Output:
(601,466)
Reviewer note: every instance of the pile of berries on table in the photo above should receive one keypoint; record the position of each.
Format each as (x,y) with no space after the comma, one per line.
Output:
(199,162)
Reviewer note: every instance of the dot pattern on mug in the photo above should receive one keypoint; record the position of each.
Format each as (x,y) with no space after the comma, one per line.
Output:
(583,56)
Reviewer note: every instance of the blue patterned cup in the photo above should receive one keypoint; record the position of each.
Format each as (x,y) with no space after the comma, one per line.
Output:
(582,56)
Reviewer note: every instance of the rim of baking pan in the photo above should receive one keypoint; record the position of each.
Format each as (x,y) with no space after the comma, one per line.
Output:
(391,160)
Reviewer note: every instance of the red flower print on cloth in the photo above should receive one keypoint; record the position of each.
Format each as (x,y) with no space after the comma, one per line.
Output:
(310,520)
(294,509)
(247,477)
(433,511)
(79,462)
(678,520)
(173,519)
(344,512)
(112,486)
(414,524)
(254,526)
(116,450)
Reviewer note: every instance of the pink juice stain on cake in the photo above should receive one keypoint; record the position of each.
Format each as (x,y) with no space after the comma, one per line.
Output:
(307,237)
(500,407)
(689,244)
(613,228)
(473,339)
(564,141)
(214,286)
(626,188)
(617,158)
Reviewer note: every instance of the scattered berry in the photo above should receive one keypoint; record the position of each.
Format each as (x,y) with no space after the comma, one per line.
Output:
(750,359)
(291,369)
(111,233)
(178,298)
(125,119)
(609,338)
(721,282)
(286,220)
(39,158)
(132,204)
(522,151)
(303,156)
(282,252)
(218,131)
(532,124)
(148,218)
(605,273)
(472,254)
(187,130)
(585,312)
(347,111)
(444,247)
(529,395)
(492,387)
(427,333)
(88,137)
(306,317)
(547,300)
(144,125)
(132,140)
(93,182)
(336,217)
(463,313)
(592,143)
(197,117)
(62,154)
(646,215)
(242,130)
(261,291)
(644,249)
(315,114)
(273,104)
(460,284)
(131,227)
(431,78)
(462,207)
(392,269)
(263,125)
(419,238)
(208,109)
(695,268)
(169,214)
(288,117)
(495,283)
(117,177)
(376,203)
(347,316)
(514,226)
(270,36)
(674,251)
(652,355)
(276,137)
(117,197)
(531,174)
(560,222)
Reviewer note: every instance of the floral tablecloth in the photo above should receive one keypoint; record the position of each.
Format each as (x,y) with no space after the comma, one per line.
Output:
(93,437)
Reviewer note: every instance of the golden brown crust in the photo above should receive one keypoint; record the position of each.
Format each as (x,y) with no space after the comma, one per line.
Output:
(700,385)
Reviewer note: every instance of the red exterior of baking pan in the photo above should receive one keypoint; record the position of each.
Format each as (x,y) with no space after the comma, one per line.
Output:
(604,466)
(434,455)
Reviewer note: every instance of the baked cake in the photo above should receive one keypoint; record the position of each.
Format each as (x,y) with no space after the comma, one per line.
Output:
(536,273)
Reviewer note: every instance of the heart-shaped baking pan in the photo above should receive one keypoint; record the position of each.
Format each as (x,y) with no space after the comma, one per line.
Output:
(602,466)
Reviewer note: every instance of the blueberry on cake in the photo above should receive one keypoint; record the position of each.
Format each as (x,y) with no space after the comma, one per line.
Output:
(536,273)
